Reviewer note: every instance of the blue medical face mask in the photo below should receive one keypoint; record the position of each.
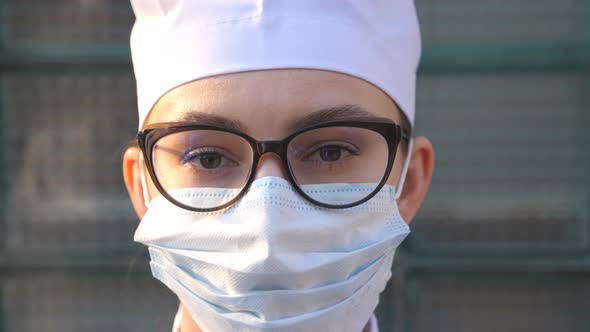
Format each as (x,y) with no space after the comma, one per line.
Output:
(274,261)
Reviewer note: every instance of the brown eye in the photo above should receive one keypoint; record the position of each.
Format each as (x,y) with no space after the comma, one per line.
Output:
(330,153)
(210,160)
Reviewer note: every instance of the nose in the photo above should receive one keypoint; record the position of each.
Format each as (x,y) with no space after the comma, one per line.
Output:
(270,164)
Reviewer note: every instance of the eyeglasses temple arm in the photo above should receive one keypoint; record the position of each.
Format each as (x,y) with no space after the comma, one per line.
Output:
(144,187)
(400,185)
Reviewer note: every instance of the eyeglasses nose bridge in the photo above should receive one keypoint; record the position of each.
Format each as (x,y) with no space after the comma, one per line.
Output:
(275,147)
(269,146)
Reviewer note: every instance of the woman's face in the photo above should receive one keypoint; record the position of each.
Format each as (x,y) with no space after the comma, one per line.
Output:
(271,104)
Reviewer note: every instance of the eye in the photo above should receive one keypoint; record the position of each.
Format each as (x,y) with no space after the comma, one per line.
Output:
(208,158)
(329,153)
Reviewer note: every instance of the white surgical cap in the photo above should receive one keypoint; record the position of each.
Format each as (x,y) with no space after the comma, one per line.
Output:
(177,41)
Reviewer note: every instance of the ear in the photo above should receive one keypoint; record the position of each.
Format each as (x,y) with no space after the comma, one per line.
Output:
(417,178)
(132,177)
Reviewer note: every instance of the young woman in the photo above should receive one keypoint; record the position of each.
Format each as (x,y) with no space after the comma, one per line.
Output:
(275,172)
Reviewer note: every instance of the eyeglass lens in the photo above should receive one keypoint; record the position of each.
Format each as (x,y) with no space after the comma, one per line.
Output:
(188,161)
(325,161)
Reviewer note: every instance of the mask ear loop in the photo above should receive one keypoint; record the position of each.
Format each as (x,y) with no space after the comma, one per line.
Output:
(144,187)
(402,179)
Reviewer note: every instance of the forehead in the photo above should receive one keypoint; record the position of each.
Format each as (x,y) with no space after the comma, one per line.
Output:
(268,102)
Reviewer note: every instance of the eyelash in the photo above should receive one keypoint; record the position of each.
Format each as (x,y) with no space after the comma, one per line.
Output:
(191,154)
(347,147)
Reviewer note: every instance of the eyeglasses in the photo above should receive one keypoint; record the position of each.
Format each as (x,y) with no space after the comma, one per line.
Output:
(220,163)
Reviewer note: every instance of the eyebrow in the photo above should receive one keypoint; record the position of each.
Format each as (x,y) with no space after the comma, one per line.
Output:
(341,112)
(212,120)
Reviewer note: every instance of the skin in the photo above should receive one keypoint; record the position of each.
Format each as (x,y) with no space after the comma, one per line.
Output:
(267,104)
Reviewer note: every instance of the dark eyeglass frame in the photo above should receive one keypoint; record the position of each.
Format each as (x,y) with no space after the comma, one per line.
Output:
(391,132)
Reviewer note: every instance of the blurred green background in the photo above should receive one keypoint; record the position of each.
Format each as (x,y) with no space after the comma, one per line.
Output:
(502,242)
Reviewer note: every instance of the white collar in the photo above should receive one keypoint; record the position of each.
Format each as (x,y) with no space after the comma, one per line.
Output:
(373,326)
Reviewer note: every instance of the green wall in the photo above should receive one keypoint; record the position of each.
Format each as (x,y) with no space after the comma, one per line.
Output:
(502,242)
